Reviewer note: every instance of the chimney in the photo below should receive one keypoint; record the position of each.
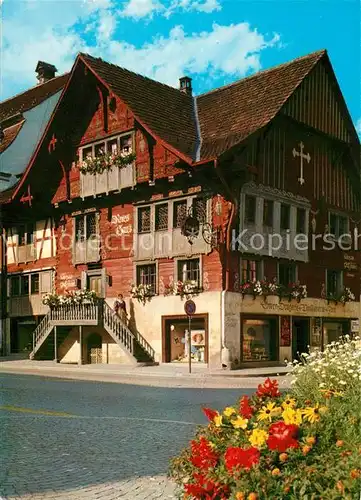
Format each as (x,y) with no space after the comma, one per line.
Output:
(185,85)
(45,72)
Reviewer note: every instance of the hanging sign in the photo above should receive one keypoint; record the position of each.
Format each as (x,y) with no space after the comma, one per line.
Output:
(189,307)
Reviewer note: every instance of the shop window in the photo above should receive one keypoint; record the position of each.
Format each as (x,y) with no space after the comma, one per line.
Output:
(259,340)
(146,275)
(268,213)
(176,341)
(287,273)
(189,270)
(333,282)
(301,221)
(285,216)
(251,269)
(144,220)
(161,217)
(250,210)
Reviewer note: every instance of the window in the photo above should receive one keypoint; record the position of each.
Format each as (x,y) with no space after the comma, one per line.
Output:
(26,234)
(268,213)
(125,144)
(179,213)
(35,283)
(333,282)
(259,340)
(161,217)
(338,225)
(146,275)
(85,227)
(287,273)
(188,270)
(251,270)
(99,149)
(144,220)
(250,210)
(301,221)
(285,216)
(14,286)
(200,209)
(24,284)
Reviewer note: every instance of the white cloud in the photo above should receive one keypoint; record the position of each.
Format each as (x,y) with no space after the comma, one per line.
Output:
(222,51)
(142,8)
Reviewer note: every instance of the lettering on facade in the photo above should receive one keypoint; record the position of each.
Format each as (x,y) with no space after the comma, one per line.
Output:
(66,281)
(121,223)
(298,308)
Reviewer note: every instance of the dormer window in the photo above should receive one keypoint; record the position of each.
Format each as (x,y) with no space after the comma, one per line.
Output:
(122,145)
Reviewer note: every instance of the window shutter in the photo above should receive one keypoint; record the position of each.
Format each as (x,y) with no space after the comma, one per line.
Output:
(46,282)
(103,283)
(83,279)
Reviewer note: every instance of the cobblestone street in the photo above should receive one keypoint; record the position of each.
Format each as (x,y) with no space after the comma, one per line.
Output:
(69,440)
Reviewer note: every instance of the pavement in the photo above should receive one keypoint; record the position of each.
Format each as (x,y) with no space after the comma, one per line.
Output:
(168,375)
(64,439)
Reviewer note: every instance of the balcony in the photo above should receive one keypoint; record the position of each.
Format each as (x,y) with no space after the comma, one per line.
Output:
(114,179)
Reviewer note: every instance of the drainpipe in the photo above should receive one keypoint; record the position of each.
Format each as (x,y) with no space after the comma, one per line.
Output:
(225,357)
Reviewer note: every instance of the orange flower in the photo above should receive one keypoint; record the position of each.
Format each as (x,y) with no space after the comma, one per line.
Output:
(340,486)
(286,489)
(252,496)
(355,473)
(240,496)
(283,457)
(339,443)
(311,440)
(276,472)
(306,449)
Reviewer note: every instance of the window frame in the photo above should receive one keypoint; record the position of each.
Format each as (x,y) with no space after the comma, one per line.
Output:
(298,229)
(138,268)
(266,221)
(157,207)
(288,206)
(139,209)
(106,141)
(340,279)
(247,220)
(32,276)
(338,216)
(181,261)
(179,202)
(290,265)
(258,268)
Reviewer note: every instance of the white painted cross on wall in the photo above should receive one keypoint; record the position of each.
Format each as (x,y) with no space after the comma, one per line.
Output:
(302,156)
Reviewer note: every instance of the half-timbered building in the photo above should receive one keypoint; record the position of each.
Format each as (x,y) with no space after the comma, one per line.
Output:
(216,201)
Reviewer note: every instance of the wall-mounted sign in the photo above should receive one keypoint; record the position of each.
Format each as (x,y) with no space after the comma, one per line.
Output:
(349,262)
(190,307)
(285,331)
(355,325)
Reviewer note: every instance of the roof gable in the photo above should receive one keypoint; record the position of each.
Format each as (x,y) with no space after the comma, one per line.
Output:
(230,114)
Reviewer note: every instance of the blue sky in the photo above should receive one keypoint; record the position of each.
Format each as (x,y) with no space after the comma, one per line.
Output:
(213,41)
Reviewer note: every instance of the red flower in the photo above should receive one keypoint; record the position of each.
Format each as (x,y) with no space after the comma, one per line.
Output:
(206,489)
(209,413)
(203,457)
(282,437)
(241,458)
(244,408)
(268,388)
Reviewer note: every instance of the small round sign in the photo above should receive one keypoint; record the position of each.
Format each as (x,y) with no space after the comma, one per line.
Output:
(190,307)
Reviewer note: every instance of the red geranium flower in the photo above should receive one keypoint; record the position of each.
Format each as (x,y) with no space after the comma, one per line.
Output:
(282,437)
(244,408)
(209,413)
(203,457)
(268,388)
(206,489)
(241,458)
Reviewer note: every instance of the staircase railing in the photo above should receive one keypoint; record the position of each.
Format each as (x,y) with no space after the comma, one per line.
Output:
(42,328)
(122,332)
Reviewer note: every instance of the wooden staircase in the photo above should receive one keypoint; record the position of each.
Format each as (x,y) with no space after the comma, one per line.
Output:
(96,314)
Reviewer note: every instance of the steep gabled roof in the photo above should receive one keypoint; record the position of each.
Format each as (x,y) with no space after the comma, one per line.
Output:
(31,97)
(166,111)
(230,114)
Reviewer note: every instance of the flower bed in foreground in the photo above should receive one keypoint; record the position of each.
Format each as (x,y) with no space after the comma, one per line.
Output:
(301,445)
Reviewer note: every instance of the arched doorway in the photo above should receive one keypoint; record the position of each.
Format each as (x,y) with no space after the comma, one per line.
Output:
(94,348)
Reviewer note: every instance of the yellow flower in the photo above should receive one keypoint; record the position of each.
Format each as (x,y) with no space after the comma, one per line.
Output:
(313,413)
(269,411)
(311,440)
(258,438)
(240,496)
(276,472)
(229,411)
(218,420)
(291,416)
(288,403)
(240,423)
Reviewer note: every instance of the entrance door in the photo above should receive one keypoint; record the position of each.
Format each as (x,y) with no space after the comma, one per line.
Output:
(300,336)
(95,284)
(94,349)
(176,339)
